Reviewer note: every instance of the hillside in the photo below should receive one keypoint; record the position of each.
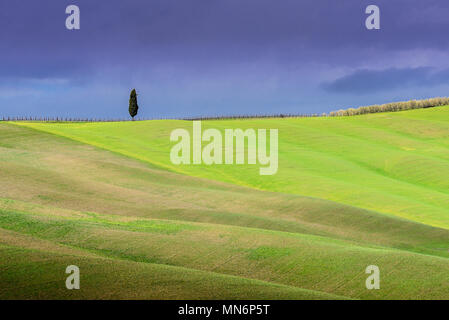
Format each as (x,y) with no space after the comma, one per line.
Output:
(394,163)
(350,192)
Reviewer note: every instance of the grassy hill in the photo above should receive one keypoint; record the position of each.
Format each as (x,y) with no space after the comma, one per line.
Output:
(394,163)
(349,192)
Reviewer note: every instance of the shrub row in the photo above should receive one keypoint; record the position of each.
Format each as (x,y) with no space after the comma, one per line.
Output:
(388,107)
(391,107)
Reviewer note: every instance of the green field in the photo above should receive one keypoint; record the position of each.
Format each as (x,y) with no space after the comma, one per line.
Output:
(349,192)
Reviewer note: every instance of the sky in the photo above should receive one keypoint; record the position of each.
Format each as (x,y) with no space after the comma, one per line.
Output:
(218,57)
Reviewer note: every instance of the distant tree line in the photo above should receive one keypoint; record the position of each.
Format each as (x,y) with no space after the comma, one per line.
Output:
(257,116)
(69,119)
(388,107)
(391,107)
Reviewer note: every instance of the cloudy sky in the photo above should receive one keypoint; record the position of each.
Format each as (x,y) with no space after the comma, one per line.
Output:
(218,57)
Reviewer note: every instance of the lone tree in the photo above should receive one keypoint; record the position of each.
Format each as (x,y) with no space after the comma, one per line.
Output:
(133,107)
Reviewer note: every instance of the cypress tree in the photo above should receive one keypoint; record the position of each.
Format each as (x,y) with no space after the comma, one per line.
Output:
(133,107)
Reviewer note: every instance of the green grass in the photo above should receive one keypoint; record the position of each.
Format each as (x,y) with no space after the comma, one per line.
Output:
(33,274)
(350,192)
(394,163)
(308,262)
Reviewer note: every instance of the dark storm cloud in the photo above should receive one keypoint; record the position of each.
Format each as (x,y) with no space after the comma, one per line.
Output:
(369,81)
(214,54)
(41,70)
(215,29)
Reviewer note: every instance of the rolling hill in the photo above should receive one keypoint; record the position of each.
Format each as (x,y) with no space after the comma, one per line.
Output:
(350,192)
